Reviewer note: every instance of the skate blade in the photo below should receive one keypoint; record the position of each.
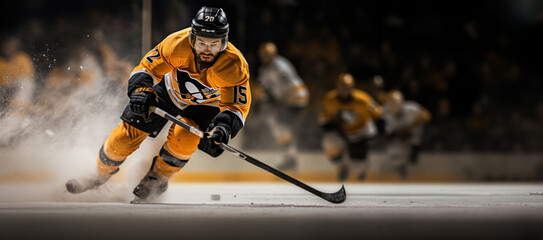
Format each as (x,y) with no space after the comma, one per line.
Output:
(137,200)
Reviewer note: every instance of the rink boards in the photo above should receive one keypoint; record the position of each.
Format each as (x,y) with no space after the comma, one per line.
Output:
(312,166)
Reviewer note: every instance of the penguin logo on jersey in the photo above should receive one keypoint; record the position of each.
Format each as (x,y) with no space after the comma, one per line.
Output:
(347,116)
(192,89)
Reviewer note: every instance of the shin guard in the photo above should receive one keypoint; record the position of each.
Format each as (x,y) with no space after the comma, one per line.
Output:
(167,165)
(107,166)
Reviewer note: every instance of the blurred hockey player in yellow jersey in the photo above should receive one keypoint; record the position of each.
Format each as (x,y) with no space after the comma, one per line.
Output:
(348,121)
(17,75)
(194,73)
(404,126)
(285,98)
(17,85)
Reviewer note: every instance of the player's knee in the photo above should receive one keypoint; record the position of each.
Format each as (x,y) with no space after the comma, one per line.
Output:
(181,142)
(335,154)
(333,147)
(284,138)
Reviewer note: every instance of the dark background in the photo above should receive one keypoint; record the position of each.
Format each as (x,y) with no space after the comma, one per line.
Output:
(474,64)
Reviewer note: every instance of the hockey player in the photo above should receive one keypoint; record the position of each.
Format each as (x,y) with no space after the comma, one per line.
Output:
(194,73)
(285,97)
(17,85)
(348,121)
(17,77)
(404,126)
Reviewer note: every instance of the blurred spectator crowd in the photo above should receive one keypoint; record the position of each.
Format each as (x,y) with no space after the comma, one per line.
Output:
(474,65)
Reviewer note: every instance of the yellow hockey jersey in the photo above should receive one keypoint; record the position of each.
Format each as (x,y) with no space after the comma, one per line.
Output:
(225,84)
(17,75)
(353,115)
(19,66)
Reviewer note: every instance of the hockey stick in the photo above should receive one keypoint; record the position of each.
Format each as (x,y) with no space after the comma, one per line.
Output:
(337,197)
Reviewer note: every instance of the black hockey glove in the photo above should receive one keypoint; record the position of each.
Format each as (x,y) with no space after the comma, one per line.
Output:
(140,101)
(220,133)
(226,125)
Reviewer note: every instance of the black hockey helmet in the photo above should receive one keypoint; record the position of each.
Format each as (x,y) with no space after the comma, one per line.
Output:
(210,22)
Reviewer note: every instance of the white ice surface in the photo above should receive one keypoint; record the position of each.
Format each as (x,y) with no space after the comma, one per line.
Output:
(275,211)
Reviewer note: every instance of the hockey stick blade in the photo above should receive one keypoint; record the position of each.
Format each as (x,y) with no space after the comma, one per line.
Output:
(337,197)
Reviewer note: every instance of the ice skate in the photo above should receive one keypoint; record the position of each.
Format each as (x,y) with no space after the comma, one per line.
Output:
(402,171)
(343,173)
(362,176)
(150,187)
(90,182)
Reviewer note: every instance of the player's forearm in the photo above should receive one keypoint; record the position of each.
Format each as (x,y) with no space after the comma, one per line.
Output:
(139,80)
(230,119)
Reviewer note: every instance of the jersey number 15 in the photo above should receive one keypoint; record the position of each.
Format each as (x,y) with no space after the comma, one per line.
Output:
(240,94)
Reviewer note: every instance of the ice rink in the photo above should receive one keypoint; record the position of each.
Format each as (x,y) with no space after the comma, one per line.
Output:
(276,211)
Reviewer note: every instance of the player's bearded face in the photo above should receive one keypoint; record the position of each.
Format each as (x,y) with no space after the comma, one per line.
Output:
(207,50)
